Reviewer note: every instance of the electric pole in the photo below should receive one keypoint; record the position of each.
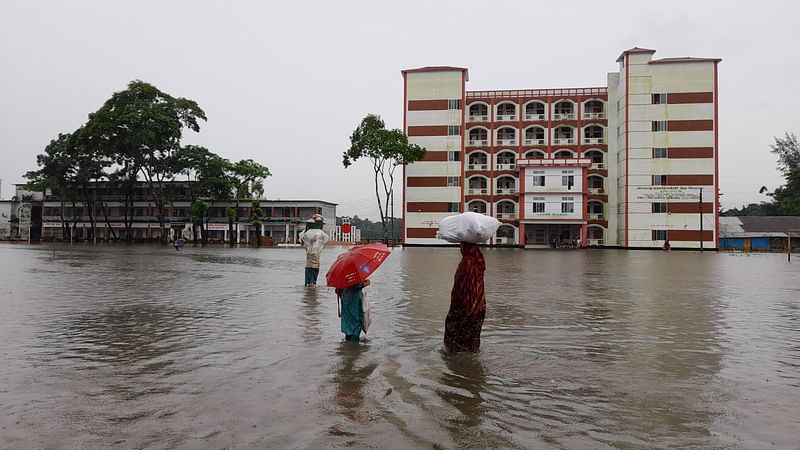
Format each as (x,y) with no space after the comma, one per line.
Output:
(700,206)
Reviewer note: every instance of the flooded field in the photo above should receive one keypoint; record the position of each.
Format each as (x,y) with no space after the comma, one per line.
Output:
(146,347)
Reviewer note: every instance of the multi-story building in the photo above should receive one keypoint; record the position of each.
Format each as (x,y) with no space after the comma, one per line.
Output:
(282,220)
(631,164)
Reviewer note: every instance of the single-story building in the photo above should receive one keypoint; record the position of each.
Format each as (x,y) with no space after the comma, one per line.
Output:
(758,233)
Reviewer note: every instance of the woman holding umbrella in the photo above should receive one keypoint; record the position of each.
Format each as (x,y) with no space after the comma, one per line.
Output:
(348,274)
(352,314)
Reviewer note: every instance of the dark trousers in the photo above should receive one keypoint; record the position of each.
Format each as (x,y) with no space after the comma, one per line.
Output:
(311,275)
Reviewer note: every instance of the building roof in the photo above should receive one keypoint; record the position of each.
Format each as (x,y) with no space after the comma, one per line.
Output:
(636,50)
(437,69)
(757,226)
(683,59)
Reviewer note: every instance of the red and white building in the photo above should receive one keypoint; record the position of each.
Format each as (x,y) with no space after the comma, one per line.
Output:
(632,164)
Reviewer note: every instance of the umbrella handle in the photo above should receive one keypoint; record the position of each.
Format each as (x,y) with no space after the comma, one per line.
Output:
(338,306)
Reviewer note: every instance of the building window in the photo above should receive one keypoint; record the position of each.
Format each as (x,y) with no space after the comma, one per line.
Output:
(659,99)
(538,205)
(659,125)
(659,180)
(538,180)
(659,208)
(453,181)
(567,207)
(659,235)
(454,156)
(659,153)
(568,181)
(454,130)
(452,207)
(454,104)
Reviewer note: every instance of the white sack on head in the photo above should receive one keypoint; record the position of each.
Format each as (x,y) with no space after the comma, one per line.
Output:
(314,240)
(468,227)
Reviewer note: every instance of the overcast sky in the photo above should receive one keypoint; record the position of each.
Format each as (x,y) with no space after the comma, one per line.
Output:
(285,83)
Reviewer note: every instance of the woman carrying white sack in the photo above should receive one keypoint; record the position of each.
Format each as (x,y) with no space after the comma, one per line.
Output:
(462,330)
(313,239)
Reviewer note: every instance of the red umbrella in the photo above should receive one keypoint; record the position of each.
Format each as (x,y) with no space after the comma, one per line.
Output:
(356,265)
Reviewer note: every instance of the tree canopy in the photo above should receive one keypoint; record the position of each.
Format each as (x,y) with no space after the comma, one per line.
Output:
(386,149)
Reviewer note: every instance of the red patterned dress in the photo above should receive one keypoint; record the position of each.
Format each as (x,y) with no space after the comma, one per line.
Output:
(462,330)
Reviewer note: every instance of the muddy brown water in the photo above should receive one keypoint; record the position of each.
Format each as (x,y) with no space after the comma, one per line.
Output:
(146,347)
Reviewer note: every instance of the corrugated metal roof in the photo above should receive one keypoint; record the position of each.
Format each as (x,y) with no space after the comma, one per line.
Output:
(757,226)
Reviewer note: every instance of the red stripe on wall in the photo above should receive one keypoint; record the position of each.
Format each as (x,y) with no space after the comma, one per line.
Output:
(678,98)
(690,235)
(427,130)
(690,152)
(690,125)
(689,208)
(426,181)
(421,232)
(690,180)
(427,105)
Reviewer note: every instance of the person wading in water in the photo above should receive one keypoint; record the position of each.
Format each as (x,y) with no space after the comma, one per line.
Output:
(462,332)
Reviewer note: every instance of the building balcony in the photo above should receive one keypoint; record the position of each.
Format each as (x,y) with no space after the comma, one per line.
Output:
(534,141)
(563,141)
(506,191)
(598,166)
(506,142)
(478,118)
(596,242)
(478,191)
(477,142)
(506,117)
(534,117)
(590,141)
(597,216)
(505,166)
(474,167)
(594,115)
(564,116)
(506,216)
(595,190)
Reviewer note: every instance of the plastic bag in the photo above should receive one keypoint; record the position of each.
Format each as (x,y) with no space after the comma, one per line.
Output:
(468,227)
(367,314)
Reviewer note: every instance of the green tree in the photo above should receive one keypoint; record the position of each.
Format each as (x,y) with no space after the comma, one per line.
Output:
(247,180)
(786,199)
(199,212)
(55,175)
(140,128)
(255,220)
(386,150)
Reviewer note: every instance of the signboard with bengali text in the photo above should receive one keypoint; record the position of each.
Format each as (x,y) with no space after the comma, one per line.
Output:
(666,193)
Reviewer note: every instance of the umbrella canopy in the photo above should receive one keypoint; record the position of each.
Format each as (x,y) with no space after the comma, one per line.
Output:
(356,265)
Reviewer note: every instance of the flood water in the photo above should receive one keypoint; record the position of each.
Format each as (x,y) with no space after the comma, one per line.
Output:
(146,347)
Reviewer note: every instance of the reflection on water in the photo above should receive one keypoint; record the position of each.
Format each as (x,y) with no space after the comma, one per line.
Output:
(208,348)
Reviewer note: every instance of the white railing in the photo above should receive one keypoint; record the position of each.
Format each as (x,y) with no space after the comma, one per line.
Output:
(564,116)
(593,140)
(478,118)
(477,191)
(499,166)
(477,167)
(506,117)
(477,142)
(502,191)
(598,165)
(596,216)
(594,190)
(534,141)
(506,142)
(506,216)
(594,115)
(503,241)
(563,141)
(534,116)
(595,242)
